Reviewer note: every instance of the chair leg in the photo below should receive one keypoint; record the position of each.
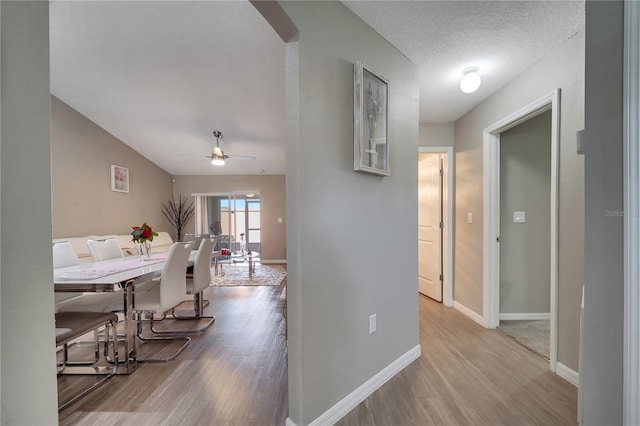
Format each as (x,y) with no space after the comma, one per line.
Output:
(198,307)
(105,378)
(185,339)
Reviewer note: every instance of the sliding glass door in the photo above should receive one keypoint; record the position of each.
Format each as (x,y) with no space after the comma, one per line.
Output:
(233,218)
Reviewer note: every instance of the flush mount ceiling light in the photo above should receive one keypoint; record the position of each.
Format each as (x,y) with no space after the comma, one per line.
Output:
(471,80)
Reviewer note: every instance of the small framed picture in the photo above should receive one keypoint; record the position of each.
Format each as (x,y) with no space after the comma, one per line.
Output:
(371,112)
(119,178)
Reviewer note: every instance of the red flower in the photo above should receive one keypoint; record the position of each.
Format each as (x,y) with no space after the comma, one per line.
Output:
(143,233)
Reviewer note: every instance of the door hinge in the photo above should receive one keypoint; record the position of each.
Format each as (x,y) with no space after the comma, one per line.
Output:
(441,277)
(441,172)
(441,225)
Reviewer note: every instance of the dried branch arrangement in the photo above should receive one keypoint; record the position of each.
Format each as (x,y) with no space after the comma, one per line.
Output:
(178,213)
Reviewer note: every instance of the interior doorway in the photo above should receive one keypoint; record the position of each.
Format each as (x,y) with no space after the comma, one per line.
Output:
(492,213)
(525,195)
(435,231)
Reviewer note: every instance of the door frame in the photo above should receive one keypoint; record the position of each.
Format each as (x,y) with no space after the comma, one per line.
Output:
(447,238)
(491,201)
(631,185)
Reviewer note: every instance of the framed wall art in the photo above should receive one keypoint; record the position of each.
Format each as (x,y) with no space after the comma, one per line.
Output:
(119,178)
(371,121)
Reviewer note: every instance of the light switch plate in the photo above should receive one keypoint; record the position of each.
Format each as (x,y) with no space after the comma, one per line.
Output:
(518,217)
(469,217)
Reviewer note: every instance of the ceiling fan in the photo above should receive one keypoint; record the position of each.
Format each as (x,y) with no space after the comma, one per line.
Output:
(218,157)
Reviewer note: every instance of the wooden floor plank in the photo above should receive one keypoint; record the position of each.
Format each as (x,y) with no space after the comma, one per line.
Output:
(236,374)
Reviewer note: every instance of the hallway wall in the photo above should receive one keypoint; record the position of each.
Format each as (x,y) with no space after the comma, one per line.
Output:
(562,68)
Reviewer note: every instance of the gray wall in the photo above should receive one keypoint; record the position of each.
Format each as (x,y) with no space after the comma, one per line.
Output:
(340,221)
(562,68)
(273,206)
(602,364)
(436,134)
(525,185)
(83,204)
(27,343)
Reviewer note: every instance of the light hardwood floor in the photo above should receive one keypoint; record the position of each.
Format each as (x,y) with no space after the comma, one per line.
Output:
(468,375)
(235,374)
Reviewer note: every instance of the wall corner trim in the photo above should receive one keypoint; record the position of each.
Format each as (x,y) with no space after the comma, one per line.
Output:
(469,313)
(351,401)
(568,374)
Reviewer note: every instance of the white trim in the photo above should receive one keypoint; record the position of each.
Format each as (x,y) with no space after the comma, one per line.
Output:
(449,173)
(351,401)
(469,313)
(491,200)
(568,374)
(274,261)
(289,422)
(541,316)
(631,185)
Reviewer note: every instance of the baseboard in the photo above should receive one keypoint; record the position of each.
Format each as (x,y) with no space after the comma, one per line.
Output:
(525,316)
(568,374)
(273,261)
(289,422)
(351,401)
(468,312)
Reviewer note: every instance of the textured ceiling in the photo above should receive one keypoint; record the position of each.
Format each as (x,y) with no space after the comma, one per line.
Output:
(161,76)
(502,38)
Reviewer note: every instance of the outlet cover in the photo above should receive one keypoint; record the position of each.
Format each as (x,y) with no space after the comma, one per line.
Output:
(372,324)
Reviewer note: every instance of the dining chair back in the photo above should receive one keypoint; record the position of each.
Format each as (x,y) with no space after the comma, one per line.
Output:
(173,283)
(202,267)
(105,249)
(64,255)
(195,237)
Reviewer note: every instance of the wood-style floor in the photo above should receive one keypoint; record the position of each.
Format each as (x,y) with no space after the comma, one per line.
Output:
(233,374)
(236,374)
(468,375)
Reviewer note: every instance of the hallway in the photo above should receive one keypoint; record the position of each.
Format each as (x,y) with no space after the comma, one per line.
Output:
(468,375)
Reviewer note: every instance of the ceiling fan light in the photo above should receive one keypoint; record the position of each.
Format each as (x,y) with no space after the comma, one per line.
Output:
(217,152)
(217,161)
(471,80)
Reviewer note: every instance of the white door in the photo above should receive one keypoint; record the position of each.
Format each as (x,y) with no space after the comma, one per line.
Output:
(429,231)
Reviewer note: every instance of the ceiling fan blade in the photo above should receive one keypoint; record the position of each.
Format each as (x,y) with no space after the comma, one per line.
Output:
(241,157)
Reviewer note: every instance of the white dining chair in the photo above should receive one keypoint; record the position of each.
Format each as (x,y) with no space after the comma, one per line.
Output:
(161,296)
(197,283)
(64,255)
(105,249)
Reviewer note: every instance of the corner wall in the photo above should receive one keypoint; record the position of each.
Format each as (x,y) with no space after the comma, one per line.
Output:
(355,234)
(601,375)
(27,345)
(562,68)
(83,204)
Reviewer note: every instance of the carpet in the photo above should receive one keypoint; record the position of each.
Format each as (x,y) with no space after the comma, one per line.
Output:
(531,334)
(237,274)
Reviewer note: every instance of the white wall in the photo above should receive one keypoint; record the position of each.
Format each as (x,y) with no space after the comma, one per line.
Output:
(601,375)
(344,267)
(27,327)
(562,68)
(436,134)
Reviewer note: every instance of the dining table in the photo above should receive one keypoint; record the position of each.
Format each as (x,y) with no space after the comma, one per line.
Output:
(116,275)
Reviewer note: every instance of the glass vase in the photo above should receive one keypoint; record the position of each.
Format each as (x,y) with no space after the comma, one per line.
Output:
(145,250)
